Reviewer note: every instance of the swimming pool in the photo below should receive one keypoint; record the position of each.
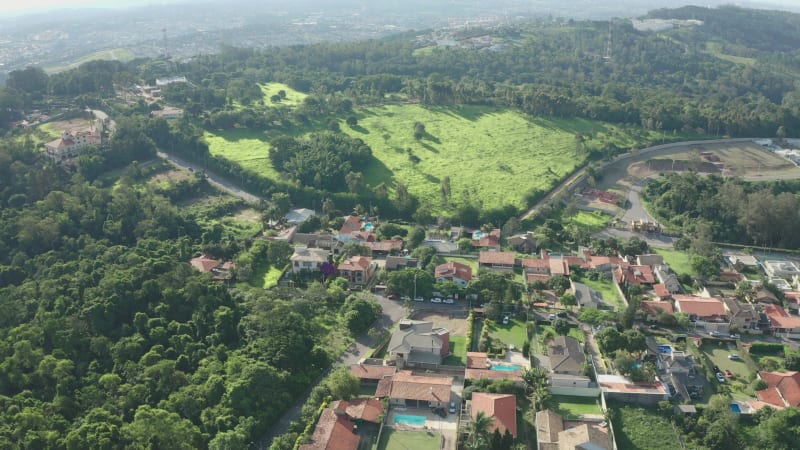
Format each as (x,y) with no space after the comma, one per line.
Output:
(665,349)
(410,419)
(368,227)
(736,408)
(506,367)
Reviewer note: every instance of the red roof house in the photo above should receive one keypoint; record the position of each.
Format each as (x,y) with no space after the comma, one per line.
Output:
(460,274)
(701,308)
(333,432)
(651,310)
(502,408)
(634,275)
(358,269)
(781,321)
(783,389)
(500,261)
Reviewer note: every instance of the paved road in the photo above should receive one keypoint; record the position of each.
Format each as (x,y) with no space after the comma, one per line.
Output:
(636,211)
(392,312)
(561,186)
(216,180)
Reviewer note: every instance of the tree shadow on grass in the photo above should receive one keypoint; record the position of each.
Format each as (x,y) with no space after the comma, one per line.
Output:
(429,147)
(359,129)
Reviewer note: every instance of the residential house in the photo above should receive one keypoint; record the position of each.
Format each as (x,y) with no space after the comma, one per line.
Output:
(682,374)
(780,283)
(478,367)
(741,262)
(418,344)
(489,241)
(605,264)
(553,434)
(161,82)
(168,113)
(70,144)
(351,225)
(371,373)
(741,316)
(358,270)
(668,279)
(619,388)
(497,261)
(781,323)
(781,269)
(792,301)
(385,247)
(501,408)
(701,309)
(640,275)
(566,359)
(298,216)
(539,266)
(652,260)
(460,274)
(661,291)
(587,297)
(783,389)
(420,391)
(309,259)
(333,431)
(523,243)
(765,297)
(559,266)
(651,310)
(219,269)
(400,263)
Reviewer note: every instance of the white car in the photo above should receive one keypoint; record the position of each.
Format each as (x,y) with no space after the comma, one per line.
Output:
(449,301)
(419,299)
(720,377)
(735,336)
(405,298)
(436,300)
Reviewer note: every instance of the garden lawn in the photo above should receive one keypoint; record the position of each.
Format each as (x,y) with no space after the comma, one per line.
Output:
(573,407)
(719,356)
(293,97)
(513,333)
(592,221)
(638,428)
(677,260)
(272,277)
(458,348)
(392,439)
(573,332)
(250,149)
(609,292)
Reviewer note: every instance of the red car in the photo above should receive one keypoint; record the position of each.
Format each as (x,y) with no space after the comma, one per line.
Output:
(728,374)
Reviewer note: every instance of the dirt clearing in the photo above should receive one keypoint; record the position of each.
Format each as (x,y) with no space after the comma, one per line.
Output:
(457,326)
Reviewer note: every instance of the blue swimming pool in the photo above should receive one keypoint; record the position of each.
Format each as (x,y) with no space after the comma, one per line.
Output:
(410,419)
(506,367)
(665,349)
(736,408)
(368,227)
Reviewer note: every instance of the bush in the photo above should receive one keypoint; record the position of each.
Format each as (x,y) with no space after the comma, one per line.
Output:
(470,326)
(766,348)
(526,349)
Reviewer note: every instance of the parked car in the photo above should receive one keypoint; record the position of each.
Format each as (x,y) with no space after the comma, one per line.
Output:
(436,300)
(419,299)
(713,333)
(552,317)
(452,407)
(733,356)
(728,374)
(505,320)
(720,377)
(449,301)
(405,298)
(735,336)
(653,326)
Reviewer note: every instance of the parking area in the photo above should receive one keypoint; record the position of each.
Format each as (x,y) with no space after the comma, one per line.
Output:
(718,354)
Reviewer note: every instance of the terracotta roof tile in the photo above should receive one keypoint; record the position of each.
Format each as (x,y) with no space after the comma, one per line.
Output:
(364,408)
(453,269)
(500,258)
(352,223)
(780,318)
(501,407)
(700,306)
(405,385)
(356,263)
(333,432)
(384,388)
(371,372)
(654,307)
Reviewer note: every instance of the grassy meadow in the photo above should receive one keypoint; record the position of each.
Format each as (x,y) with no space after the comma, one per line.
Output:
(293,98)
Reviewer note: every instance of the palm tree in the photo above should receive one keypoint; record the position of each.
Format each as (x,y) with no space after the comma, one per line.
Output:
(478,434)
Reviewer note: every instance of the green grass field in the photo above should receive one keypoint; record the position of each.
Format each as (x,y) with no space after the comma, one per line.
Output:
(719,356)
(677,260)
(272,277)
(114,54)
(248,148)
(293,98)
(638,428)
(569,406)
(513,333)
(458,348)
(609,292)
(392,439)
(593,221)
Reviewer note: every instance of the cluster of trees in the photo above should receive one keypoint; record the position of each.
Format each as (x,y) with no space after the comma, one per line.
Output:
(323,160)
(731,210)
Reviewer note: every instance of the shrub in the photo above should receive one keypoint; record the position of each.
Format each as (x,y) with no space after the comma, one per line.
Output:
(766,348)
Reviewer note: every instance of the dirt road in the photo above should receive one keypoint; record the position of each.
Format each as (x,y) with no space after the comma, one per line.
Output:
(215,180)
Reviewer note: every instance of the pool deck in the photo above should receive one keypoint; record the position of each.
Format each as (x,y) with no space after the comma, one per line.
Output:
(514,358)
(432,422)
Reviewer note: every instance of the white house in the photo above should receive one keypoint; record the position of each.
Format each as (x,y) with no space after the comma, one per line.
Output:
(308,259)
(71,143)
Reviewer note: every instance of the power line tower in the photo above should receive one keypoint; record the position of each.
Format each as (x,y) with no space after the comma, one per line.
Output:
(608,45)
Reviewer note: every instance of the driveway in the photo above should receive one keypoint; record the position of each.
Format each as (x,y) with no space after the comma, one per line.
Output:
(636,211)
(214,179)
(392,312)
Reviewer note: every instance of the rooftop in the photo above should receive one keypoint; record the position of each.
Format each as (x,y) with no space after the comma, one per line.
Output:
(497,258)
(408,386)
(501,407)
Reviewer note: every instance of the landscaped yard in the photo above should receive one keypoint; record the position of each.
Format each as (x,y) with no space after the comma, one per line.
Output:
(719,356)
(392,439)
(608,291)
(638,428)
(272,277)
(677,260)
(574,332)
(593,221)
(513,333)
(576,406)
(458,348)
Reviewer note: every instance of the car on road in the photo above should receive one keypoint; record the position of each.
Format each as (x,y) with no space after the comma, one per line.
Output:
(653,326)
(733,357)
(419,299)
(713,333)
(735,336)
(728,374)
(720,377)
(405,298)
(452,406)
(449,301)
(436,300)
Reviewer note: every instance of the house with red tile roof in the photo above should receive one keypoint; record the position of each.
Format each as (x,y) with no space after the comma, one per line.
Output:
(651,310)
(627,275)
(219,269)
(385,247)
(701,309)
(333,432)
(559,266)
(661,291)
(536,265)
(502,408)
(491,240)
(371,373)
(497,261)
(420,391)
(358,270)
(460,274)
(783,389)
(792,301)
(781,322)
(362,409)
(70,144)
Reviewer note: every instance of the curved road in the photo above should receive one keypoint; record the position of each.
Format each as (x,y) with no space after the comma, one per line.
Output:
(216,180)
